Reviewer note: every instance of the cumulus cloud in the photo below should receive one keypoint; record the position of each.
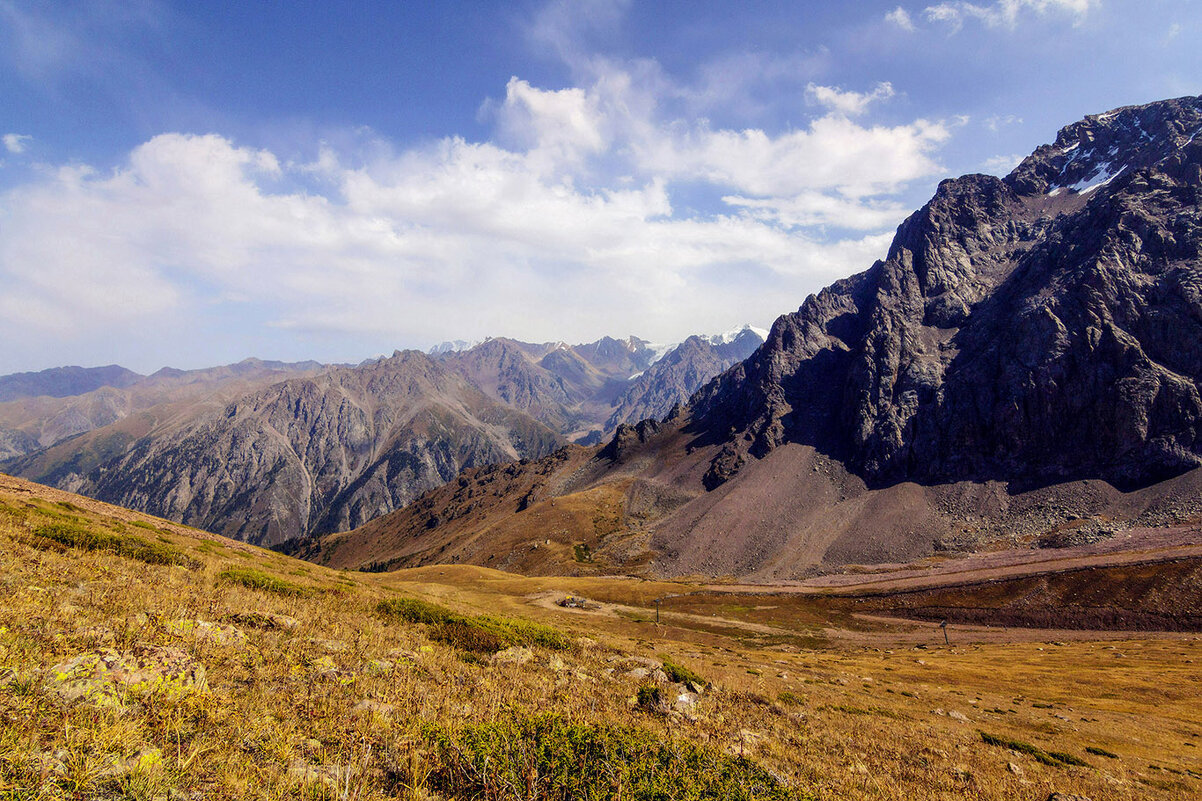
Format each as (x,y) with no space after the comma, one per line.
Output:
(832,154)
(998,121)
(1002,165)
(846,102)
(16,143)
(1005,13)
(901,18)
(561,226)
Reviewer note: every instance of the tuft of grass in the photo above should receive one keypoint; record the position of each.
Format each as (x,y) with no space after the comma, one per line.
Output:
(679,673)
(467,637)
(475,633)
(258,580)
(547,758)
(649,697)
(1102,752)
(86,538)
(414,610)
(1055,759)
(1068,759)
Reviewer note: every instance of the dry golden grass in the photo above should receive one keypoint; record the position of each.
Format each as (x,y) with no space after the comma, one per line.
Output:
(228,689)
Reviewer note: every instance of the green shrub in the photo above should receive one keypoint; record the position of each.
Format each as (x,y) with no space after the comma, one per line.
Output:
(649,697)
(1102,752)
(1068,759)
(84,538)
(475,633)
(1054,758)
(546,758)
(679,673)
(258,580)
(413,610)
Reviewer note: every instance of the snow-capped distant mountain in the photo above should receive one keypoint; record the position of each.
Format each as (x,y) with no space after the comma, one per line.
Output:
(680,370)
(454,346)
(735,334)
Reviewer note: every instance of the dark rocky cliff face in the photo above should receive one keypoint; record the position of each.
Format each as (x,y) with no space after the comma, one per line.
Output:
(1037,328)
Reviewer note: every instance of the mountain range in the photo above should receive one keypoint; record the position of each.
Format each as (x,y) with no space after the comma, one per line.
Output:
(267,451)
(1023,368)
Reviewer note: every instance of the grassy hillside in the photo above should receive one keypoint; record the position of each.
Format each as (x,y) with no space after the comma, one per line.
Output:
(142,659)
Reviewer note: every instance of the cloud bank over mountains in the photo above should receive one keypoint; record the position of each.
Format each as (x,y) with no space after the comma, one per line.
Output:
(562,225)
(595,167)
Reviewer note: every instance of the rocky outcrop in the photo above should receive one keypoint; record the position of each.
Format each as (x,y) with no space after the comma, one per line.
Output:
(1034,329)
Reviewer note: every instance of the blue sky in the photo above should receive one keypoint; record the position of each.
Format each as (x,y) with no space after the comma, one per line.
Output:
(193,183)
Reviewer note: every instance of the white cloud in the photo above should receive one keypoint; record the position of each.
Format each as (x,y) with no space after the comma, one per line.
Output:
(1002,165)
(16,143)
(1005,13)
(558,127)
(833,154)
(818,208)
(901,18)
(998,121)
(851,103)
(562,227)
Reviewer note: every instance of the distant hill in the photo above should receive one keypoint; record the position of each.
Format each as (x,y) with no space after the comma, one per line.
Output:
(312,453)
(268,451)
(589,389)
(30,424)
(60,382)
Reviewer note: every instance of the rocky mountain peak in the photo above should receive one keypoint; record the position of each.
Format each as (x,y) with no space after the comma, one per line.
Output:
(1020,329)
(1093,151)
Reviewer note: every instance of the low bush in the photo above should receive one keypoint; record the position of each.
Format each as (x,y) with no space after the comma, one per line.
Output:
(85,538)
(548,759)
(1102,752)
(413,610)
(1053,758)
(258,580)
(475,633)
(679,673)
(650,698)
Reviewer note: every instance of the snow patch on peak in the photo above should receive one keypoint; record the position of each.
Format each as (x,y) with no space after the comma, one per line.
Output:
(454,346)
(659,350)
(1104,174)
(730,336)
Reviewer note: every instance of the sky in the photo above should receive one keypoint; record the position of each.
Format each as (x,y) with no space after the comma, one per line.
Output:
(193,183)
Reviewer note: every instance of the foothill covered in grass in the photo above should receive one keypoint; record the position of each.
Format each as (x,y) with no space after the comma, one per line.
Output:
(229,672)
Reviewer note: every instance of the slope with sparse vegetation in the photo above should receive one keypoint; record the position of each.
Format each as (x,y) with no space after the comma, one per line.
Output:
(142,659)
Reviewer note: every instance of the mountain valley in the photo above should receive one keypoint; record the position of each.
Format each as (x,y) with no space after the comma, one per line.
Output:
(266,452)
